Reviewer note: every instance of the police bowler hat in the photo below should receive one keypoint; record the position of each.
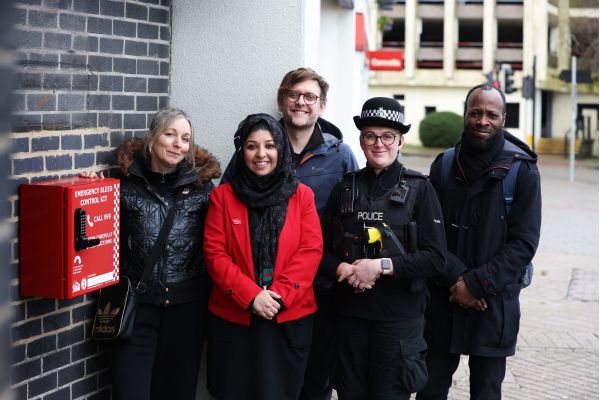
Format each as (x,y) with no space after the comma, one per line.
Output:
(382,111)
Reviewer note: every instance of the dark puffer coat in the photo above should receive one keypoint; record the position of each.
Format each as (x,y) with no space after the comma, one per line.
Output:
(489,249)
(180,276)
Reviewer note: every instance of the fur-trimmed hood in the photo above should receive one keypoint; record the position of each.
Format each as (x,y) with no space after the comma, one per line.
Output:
(207,165)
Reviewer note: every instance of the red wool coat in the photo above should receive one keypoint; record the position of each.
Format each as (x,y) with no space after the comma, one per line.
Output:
(228,256)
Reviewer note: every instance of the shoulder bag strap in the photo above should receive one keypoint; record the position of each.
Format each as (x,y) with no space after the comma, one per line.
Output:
(157,249)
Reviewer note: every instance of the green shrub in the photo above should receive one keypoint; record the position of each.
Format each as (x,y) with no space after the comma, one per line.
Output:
(441,129)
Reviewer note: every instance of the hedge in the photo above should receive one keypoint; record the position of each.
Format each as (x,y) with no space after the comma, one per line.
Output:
(441,129)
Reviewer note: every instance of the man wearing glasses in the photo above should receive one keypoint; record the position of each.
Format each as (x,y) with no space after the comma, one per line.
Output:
(321,159)
(383,237)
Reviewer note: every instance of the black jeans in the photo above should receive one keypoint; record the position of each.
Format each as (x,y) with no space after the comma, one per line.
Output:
(486,376)
(163,357)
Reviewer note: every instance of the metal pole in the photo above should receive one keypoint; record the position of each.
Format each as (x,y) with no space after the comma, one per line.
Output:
(574,117)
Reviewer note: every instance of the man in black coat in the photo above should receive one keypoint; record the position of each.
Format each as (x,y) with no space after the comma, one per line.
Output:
(474,308)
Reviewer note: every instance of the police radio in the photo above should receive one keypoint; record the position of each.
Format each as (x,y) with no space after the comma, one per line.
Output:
(347,197)
(399,193)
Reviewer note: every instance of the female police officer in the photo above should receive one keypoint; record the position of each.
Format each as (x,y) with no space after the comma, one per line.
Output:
(383,236)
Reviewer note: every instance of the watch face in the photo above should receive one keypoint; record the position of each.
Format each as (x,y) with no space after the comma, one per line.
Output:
(386,264)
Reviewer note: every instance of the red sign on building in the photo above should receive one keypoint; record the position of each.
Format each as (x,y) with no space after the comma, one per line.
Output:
(386,60)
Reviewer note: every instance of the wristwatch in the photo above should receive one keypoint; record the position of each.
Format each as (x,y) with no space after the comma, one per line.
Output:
(386,266)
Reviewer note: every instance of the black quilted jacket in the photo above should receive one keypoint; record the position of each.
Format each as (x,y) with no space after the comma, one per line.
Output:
(180,275)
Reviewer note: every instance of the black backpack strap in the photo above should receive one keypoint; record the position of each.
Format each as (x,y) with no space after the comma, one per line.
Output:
(508,184)
(447,159)
(508,191)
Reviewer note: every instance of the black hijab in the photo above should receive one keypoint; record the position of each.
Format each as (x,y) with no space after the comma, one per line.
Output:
(265,196)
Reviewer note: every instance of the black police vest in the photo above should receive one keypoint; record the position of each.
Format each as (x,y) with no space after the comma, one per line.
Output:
(394,208)
(390,298)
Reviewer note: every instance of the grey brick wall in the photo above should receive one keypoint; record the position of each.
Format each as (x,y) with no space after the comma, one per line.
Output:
(89,74)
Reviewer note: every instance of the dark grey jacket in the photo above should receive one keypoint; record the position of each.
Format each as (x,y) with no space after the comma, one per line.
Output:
(180,276)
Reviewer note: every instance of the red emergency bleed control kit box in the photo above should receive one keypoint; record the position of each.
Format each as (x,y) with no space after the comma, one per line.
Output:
(68,236)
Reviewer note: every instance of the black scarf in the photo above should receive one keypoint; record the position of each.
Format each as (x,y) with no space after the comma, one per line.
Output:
(265,196)
(474,159)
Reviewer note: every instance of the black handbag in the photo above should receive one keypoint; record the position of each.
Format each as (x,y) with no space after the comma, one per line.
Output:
(115,311)
(117,304)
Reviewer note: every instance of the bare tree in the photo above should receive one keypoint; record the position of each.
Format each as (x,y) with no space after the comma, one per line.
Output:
(584,35)
(584,42)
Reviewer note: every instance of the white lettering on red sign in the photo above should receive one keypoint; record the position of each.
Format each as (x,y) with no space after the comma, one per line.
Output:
(93,191)
(392,62)
(87,192)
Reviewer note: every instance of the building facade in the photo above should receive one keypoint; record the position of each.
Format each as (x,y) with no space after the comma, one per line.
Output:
(450,46)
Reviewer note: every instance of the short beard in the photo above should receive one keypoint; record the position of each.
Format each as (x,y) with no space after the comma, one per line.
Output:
(480,144)
(288,120)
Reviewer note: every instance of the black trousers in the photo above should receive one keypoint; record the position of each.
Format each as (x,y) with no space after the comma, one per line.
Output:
(485,376)
(379,360)
(265,361)
(317,380)
(163,357)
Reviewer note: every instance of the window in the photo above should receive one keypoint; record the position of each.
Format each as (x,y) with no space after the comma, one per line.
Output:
(395,36)
(470,33)
(431,44)
(429,110)
(510,34)
(432,33)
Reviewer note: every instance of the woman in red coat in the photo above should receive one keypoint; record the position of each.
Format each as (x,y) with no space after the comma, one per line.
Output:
(263,245)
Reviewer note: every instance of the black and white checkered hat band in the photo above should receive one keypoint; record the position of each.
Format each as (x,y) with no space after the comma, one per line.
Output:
(392,115)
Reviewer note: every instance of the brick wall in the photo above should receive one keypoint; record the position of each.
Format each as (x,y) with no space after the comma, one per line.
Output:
(89,74)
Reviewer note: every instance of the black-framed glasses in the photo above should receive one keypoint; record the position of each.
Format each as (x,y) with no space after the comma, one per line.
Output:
(387,138)
(309,98)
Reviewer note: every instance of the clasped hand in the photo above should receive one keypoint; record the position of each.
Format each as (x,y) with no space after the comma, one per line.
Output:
(361,274)
(265,304)
(460,293)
